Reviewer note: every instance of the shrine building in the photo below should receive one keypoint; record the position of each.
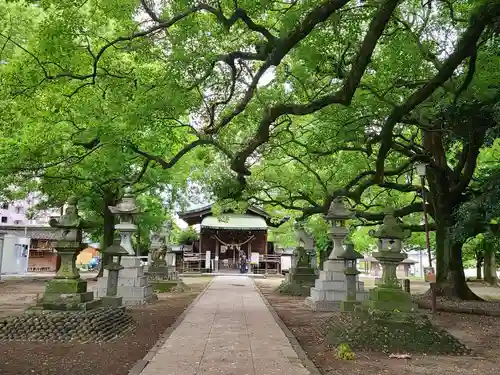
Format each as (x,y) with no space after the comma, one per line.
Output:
(226,238)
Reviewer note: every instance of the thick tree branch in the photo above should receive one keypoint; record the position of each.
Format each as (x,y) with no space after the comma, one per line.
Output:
(484,15)
(379,216)
(186,149)
(342,96)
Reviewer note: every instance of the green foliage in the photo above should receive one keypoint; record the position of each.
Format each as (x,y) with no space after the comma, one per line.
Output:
(187,236)
(302,101)
(344,352)
(294,289)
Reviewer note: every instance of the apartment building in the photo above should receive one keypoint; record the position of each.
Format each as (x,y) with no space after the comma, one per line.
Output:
(22,212)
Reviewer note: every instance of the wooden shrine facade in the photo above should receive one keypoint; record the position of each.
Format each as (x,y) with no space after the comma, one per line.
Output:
(227,238)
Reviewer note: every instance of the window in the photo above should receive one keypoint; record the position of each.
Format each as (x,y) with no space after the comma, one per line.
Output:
(5,206)
(4,219)
(19,209)
(17,222)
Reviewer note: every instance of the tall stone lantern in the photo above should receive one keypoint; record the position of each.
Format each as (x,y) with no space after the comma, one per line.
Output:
(67,291)
(330,288)
(337,215)
(387,295)
(133,284)
(126,211)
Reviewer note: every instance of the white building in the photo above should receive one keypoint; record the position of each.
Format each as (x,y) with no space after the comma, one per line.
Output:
(22,212)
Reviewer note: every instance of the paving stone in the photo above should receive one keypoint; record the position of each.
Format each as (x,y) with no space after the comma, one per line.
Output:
(229,331)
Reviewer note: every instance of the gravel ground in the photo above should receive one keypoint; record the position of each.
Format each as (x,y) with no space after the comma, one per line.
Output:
(480,333)
(114,358)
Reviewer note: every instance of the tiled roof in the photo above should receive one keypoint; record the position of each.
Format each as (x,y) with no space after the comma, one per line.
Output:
(36,233)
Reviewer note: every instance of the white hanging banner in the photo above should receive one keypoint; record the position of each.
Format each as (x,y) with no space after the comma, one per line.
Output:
(255,258)
(207,259)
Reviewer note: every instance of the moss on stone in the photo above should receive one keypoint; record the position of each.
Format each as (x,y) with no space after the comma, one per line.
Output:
(66,286)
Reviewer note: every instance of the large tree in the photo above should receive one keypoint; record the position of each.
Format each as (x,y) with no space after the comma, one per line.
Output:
(239,76)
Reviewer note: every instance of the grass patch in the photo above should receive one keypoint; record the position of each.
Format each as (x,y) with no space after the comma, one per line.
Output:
(163,286)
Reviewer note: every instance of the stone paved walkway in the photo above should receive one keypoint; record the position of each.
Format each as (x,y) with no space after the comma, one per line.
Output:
(229,331)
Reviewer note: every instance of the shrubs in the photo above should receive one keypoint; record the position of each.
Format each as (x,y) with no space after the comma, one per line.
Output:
(293,289)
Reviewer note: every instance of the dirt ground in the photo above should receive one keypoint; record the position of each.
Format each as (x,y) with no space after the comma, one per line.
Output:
(417,286)
(113,358)
(480,333)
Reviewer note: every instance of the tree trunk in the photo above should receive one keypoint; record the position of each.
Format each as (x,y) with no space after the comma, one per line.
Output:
(490,269)
(479,268)
(109,228)
(450,277)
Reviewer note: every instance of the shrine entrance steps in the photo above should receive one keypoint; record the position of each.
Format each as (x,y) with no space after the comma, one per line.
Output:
(229,331)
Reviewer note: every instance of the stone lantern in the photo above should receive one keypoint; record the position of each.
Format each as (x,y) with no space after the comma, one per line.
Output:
(390,237)
(330,288)
(133,284)
(388,295)
(67,291)
(126,210)
(350,257)
(115,253)
(337,215)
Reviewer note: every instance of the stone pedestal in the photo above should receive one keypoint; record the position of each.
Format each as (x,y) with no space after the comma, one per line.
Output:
(67,295)
(301,275)
(330,289)
(301,272)
(111,299)
(132,285)
(388,296)
(158,270)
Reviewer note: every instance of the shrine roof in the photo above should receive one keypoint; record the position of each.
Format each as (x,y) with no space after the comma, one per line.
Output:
(35,232)
(234,221)
(196,215)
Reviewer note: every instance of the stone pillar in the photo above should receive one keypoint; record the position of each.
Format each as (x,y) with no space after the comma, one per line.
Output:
(115,252)
(330,287)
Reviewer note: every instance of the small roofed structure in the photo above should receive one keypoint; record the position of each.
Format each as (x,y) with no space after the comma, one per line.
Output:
(227,238)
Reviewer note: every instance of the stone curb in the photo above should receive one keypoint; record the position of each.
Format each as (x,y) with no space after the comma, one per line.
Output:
(308,364)
(142,363)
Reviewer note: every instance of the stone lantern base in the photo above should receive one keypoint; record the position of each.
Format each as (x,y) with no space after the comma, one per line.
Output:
(67,295)
(330,289)
(133,284)
(303,275)
(389,299)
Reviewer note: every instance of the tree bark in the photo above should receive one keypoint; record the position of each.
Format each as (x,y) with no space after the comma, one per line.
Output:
(109,199)
(479,269)
(450,276)
(490,269)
